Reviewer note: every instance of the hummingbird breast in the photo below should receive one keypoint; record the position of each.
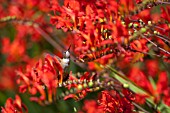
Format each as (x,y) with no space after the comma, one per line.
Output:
(65,62)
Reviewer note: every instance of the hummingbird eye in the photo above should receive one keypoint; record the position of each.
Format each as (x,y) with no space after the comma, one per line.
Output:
(64,52)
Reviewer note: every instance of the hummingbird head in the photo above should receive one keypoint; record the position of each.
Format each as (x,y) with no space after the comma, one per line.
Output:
(66,54)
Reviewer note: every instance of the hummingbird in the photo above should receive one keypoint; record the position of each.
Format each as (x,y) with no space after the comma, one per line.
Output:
(64,62)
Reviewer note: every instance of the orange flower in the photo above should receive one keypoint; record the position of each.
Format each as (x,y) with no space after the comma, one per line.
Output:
(44,75)
(14,106)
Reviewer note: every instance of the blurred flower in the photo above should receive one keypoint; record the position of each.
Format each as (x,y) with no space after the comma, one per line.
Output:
(159,90)
(27,12)
(41,77)
(14,106)
(91,106)
(138,76)
(152,67)
(163,88)
(16,50)
(7,78)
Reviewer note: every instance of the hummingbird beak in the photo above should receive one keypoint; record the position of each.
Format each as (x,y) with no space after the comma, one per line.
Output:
(69,47)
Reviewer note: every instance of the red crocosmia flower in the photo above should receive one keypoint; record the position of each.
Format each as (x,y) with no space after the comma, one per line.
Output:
(107,102)
(112,102)
(28,30)
(18,10)
(5,42)
(160,92)
(138,1)
(91,26)
(166,97)
(125,6)
(91,106)
(44,75)
(145,15)
(139,45)
(14,106)
(137,76)
(152,67)
(140,98)
(15,10)
(163,88)
(155,17)
(107,59)
(15,50)
(7,78)
(27,12)
(165,12)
